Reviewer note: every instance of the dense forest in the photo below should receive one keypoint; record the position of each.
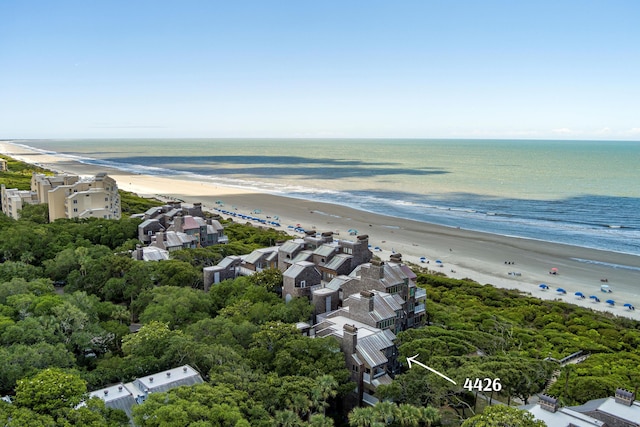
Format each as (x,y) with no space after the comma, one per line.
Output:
(70,291)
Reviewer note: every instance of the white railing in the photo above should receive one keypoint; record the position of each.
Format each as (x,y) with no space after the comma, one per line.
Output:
(420,308)
(421,293)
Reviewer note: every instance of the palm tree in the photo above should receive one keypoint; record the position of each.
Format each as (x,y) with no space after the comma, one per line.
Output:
(318,420)
(325,389)
(287,419)
(386,411)
(429,415)
(363,417)
(408,415)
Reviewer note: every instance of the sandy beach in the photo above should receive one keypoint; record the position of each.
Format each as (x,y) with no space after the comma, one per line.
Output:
(505,262)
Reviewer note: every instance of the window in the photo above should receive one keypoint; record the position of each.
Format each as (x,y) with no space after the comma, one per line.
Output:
(106,199)
(75,202)
(303,283)
(75,209)
(347,250)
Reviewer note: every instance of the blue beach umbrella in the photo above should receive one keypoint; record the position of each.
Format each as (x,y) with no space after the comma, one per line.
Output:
(630,306)
(423,259)
(611,302)
(438,261)
(561,291)
(543,286)
(595,298)
(377,248)
(579,294)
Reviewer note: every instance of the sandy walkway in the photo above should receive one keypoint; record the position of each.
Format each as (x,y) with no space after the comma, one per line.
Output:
(463,253)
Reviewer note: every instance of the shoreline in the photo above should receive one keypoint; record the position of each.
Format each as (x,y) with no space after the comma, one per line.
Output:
(483,257)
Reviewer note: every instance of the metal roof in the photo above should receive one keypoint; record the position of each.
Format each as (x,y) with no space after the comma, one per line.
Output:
(610,406)
(259,254)
(296,269)
(563,417)
(291,245)
(302,256)
(153,253)
(325,250)
(116,397)
(337,261)
(166,380)
(371,348)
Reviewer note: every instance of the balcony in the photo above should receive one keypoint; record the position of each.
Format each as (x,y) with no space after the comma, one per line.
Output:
(369,400)
(421,294)
(420,308)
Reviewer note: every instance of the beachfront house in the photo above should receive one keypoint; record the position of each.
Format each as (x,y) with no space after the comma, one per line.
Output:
(298,280)
(13,200)
(370,354)
(391,278)
(148,228)
(206,232)
(173,241)
(228,268)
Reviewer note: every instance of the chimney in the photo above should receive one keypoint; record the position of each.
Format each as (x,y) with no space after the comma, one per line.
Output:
(184,369)
(168,374)
(150,379)
(368,296)
(349,339)
(120,388)
(396,258)
(178,223)
(106,392)
(624,397)
(139,253)
(376,269)
(548,403)
(327,237)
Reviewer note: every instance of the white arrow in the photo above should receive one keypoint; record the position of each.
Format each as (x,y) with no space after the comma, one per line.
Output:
(413,360)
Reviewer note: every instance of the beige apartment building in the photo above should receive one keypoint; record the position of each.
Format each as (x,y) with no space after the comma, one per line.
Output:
(68,196)
(13,200)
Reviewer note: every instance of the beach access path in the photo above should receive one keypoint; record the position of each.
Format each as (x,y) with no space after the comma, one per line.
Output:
(506,262)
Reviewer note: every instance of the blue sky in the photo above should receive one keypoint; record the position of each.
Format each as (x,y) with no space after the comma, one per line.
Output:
(411,69)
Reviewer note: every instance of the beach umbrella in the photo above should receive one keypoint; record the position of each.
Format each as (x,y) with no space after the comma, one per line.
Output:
(579,294)
(423,259)
(257,211)
(377,248)
(595,298)
(561,291)
(438,261)
(276,217)
(610,301)
(543,286)
(630,306)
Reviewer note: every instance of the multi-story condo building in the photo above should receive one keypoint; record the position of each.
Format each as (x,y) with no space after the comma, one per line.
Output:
(68,196)
(13,200)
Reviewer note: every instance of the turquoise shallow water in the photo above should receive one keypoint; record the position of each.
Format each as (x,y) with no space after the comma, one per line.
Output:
(585,193)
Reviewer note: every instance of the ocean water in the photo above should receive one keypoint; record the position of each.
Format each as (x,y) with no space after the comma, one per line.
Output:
(583,193)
